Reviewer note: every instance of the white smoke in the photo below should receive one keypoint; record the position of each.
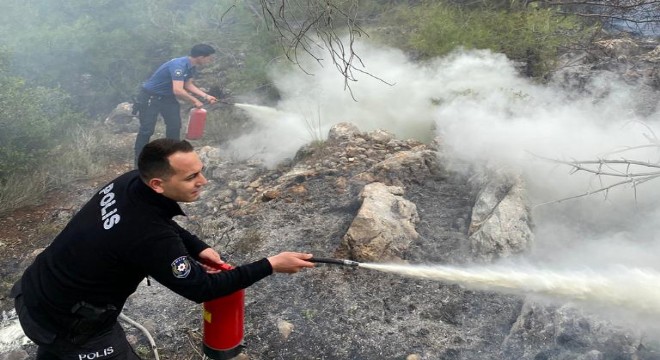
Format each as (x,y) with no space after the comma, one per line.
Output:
(509,121)
(485,112)
(620,289)
(11,333)
(400,99)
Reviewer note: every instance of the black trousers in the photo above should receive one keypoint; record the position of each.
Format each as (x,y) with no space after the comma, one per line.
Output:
(107,345)
(152,106)
(111,345)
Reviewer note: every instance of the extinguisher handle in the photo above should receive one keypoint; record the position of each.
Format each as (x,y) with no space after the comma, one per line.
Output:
(223,267)
(226,267)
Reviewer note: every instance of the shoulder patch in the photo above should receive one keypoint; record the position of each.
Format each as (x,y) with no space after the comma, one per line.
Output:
(181,267)
(178,72)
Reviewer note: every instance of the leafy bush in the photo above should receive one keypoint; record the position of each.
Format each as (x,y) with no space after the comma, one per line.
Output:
(97,51)
(34,121)
(530,35)
(31,119)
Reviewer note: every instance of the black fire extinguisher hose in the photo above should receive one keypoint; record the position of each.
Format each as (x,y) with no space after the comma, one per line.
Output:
(335,261)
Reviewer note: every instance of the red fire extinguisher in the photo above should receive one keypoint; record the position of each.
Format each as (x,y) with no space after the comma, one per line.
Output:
(196,123)
(223,325)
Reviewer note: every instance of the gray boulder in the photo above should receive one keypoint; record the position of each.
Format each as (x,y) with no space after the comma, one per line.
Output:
(501,221)
(384,226)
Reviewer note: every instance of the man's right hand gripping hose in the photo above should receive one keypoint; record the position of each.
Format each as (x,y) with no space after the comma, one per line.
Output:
(290,262)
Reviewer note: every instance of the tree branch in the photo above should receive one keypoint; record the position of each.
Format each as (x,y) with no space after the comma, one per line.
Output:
(310,25)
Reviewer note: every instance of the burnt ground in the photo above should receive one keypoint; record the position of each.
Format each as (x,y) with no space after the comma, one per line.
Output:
(339,313)
(335,313)
(332,312)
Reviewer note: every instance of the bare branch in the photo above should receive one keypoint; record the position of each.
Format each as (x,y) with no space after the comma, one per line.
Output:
(611,168)
(311,26)
(630,11)
(611,4)
(606,189)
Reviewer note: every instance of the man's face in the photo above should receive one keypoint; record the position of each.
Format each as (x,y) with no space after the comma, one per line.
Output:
(205,60)
(186,183)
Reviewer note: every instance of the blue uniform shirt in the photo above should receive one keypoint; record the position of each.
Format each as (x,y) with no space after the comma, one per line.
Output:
(160,83)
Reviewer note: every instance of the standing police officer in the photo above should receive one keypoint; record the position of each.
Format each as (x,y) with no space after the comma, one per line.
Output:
(69,298)
(173,80)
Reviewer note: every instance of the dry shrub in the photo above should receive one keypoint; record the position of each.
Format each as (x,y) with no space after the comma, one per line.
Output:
(86,153)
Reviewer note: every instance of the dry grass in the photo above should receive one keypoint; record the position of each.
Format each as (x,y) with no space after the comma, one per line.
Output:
(21,190)
(87,153)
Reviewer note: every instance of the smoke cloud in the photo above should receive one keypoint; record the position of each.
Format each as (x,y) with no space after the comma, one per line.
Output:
(485,113)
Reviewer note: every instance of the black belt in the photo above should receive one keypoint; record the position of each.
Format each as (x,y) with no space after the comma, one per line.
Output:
(152,95)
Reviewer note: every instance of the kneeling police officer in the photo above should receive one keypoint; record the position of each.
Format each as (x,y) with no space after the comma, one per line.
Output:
(69,298)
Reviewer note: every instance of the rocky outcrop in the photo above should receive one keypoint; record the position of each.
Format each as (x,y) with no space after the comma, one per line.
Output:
(625,60)
(122,120)
(652,56)
(618,48)
(384,226)
(551,332)
(501,221)
(415,164)
(343,131)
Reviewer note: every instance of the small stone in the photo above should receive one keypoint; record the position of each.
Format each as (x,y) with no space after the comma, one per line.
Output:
(270,195)
(285,328)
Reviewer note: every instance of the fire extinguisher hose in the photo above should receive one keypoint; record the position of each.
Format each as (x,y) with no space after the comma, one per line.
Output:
(144,331)
(334,261)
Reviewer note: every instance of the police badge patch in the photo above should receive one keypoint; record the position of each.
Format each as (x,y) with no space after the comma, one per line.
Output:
(181,267)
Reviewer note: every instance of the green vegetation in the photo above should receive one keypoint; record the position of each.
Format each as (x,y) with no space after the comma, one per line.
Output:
(100,51)
(530,35)
(39,125)
(31,119)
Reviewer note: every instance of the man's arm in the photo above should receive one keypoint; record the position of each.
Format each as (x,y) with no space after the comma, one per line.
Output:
(166,259)
(181,93)
(191,87)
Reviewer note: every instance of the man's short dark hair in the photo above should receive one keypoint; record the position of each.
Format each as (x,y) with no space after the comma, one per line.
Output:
(201,50)
(153,162)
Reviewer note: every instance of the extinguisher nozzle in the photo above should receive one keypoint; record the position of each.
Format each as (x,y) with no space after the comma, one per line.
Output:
(335,261)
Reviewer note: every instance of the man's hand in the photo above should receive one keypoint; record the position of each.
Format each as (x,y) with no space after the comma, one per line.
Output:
(198,104)
(211,99)
(290,262)
(210,260)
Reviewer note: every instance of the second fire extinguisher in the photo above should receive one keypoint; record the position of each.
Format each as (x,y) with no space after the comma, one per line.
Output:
(223,325)
(196,124)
